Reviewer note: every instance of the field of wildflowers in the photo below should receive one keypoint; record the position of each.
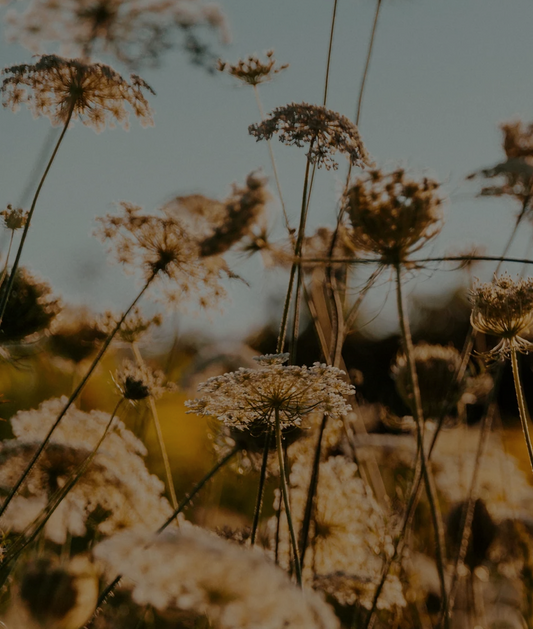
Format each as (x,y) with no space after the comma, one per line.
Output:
(310,475)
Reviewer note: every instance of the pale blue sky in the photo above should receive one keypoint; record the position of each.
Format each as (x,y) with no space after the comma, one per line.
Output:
(443,76)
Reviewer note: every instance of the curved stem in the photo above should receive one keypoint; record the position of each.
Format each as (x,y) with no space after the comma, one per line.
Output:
(522,408)
(5,296)
(159,434)
(261,488)
(285,493)
(73,396)
(4,270)
(367,64)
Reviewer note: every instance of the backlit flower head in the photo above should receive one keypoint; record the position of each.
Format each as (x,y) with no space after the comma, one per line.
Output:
(250,398)
(134,328)
(252,70)
(95,93)
(14,219)
(192,570)
(504,308)
(138,382)
(393,215)
(135,31)
(326,132)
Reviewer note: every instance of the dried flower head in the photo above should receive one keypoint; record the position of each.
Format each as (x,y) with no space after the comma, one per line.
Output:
(58,87)
(326,132)
(115,492)
(138,382)
(162,248)
(53,594)
(75,335)
(252,70)
(504,308)
(436,368)
(133,329)
(251,398)
(393,215)
(30,309)
(14,218)
(135,31)
(194,571)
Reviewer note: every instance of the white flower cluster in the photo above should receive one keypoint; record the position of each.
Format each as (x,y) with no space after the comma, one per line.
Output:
(251,398)
(116,484)
(193,570)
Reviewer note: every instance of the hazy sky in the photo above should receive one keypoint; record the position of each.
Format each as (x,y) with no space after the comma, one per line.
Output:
(443,76)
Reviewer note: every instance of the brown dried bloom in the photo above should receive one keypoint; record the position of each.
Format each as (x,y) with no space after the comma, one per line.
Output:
(135,31)
(504,308)
(324,130)
(57,87)
(163,249)
(14,218)
(393,215)
(436,367)
(138,382)
(252,70)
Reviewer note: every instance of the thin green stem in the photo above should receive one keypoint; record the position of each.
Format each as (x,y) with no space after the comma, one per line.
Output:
(261,488)
(159,434)
(73,396)
(522,408)
(7,292)
(286,502)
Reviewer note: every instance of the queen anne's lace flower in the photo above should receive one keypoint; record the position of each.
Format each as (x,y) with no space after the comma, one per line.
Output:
(504,308)
(116,485)
(250,398)
(137,382)
(252,70)
(195,571)
(57,87)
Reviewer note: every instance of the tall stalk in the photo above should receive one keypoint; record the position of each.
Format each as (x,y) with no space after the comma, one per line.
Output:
(7,292)
(367,63)
(261,488)
(74,395)
(522,408)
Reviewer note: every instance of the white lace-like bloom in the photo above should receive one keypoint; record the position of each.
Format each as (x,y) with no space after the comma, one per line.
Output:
(348,536)
(193,570)
(115,492)
(504,308)
(250,398)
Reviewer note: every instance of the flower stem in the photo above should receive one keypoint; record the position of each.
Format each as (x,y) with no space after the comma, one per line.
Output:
(285,493)
(7,292)
(159,434)
(261,488)
(367,63)
(73,396)
(4,270)
(522,408)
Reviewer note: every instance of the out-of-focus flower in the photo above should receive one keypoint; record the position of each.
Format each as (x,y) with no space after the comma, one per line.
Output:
(194,571)
(57,87)
(135,31)
(392,215)
(504,308)
(14,218)
(252,70)
(75,335)
(250,398)
(115,492)
(326,132)
(138,382)
(134,328)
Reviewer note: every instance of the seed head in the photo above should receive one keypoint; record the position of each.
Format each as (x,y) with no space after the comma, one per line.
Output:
(54,87)
(138,382)
(324,130)
(14,218)
(393,215)
(504,308)
(252,70)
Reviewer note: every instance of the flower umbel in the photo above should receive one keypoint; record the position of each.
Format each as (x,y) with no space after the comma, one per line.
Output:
(58,87)
(14,219)
(252,70)
(325,131)
(504,308)
(137,382)
(250,398)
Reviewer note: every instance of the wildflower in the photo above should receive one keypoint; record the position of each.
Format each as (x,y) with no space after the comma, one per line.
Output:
(194,571)
(252,70)
(436,368)
(30,309)
(75,335)
(324,130)
(14,218)
(137,382)
(251,398)
(134,31)
(164,250)
(54,595)
(116,491)
(503,308)
(392,215)
(59,88)
(133,328)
